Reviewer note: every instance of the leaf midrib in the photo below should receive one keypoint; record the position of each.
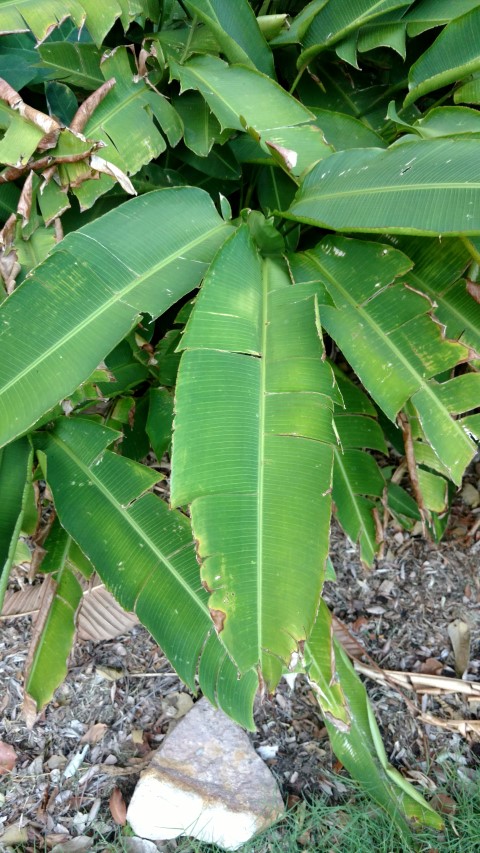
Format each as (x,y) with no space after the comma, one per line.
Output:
(118,297)
(124,513)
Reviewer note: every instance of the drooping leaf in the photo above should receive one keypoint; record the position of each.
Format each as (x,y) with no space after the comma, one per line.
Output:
(201,128)
(143,552)
(384,330)
(253,394)
(356,739)
(236,30)
(427,14)
(337,18)
(15,465)
(448,121)
(240,97)
(344,131)
(423,187)
(53,636)
(96,273)
(443,63)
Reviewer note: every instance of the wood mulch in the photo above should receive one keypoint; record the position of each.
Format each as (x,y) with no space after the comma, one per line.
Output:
(120,697)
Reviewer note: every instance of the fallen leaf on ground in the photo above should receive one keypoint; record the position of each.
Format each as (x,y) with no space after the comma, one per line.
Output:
(74,845)
(94,733)
(460,635)
(14,834)
(8,757)
(431,666)
(118,808)
(443,803)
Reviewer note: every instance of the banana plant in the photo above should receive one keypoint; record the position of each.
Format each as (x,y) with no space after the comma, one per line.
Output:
(294,285)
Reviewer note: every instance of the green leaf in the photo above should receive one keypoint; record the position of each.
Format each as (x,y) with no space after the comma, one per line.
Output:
(423,187)
(34,250)
(20,139)
(344,131)
(143,552)
(126,121)
(445,61)
(448,121)
(448,437)
(201,128)
(75,63)
(19,61)
(254,394)
(434,490)
(97,282)
(356,741)
(437,271)
(53,637)
(15,471)
(160,420)
(427,14)
(469,93)
(61,101)
(400,503)
(18,16)
(240,97)
(337,18)
(385,332)
(236,30)
(357,479)
(299,25)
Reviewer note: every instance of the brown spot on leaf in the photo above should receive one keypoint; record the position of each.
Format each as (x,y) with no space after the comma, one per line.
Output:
(206,587)
(218,619)
(473,289)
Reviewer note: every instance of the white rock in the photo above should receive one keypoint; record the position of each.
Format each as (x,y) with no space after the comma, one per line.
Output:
(205,781)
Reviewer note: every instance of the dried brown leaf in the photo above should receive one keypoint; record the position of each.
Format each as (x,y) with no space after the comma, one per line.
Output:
(98,164)
(431,666)
(24,206)
(99,617)
(443,803)
(86,109)
(8,757)
(474,290)
(15,101)
(460,638)
(14,834)
(74,845)
(118,808)
(353,648)
(94,733)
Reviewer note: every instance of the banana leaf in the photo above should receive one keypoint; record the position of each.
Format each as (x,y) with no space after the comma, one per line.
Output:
(253,407)
(143,552)
(91,290)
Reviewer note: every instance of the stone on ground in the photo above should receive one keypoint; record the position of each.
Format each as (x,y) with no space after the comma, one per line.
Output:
(205,781)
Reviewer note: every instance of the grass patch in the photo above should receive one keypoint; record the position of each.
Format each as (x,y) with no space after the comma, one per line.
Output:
(358,826)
